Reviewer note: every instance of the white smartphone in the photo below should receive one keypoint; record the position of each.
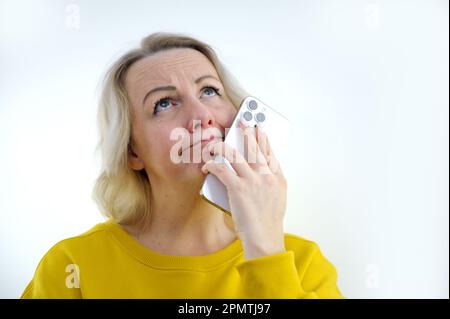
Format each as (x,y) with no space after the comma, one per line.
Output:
(254,112)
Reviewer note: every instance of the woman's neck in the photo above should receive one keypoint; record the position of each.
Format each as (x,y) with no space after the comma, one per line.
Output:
(182,223)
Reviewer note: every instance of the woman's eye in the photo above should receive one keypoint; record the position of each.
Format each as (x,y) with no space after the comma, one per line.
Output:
(167,102)
(162,104)
(211,90)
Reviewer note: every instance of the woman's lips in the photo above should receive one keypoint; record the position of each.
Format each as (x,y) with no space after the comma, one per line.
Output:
(204,142)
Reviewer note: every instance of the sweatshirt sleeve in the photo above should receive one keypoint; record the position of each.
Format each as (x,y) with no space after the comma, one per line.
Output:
(56,276)
(279,276)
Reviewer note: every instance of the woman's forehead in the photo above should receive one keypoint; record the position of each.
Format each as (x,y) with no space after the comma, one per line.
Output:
(161,68)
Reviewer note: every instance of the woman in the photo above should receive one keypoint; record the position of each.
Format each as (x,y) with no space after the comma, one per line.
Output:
(162,240)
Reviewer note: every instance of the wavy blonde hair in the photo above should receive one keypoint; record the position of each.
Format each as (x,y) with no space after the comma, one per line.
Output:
(121,193)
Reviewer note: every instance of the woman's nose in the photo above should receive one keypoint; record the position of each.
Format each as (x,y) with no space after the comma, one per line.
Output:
(199,117)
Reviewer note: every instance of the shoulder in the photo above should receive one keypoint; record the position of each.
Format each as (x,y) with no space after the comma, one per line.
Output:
(97,233)
(73,248)
(62,260)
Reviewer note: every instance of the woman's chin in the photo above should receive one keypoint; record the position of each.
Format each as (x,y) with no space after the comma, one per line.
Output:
(194,168)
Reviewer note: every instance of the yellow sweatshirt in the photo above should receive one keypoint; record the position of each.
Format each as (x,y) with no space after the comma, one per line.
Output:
(106,262)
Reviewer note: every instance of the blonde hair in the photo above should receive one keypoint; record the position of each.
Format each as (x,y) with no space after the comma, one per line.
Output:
(121,193)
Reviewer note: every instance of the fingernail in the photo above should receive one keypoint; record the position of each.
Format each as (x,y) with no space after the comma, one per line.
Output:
(211,149)
(243,122)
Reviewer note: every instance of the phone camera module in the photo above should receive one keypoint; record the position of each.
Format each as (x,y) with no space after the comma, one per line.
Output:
(252,105)
(247,116)
(260,117)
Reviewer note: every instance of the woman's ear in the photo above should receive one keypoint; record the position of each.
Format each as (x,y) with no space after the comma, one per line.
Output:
(133,159)
(130,150)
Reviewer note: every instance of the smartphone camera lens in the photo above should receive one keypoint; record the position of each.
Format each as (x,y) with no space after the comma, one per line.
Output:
(247,116)
(252,105)
(260,117)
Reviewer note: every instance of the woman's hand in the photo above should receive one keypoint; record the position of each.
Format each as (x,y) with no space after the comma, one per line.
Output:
(257,193)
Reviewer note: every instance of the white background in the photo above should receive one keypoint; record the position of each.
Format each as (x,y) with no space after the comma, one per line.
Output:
(365,82)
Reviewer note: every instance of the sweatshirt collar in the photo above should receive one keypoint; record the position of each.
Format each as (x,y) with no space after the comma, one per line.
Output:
(164,261)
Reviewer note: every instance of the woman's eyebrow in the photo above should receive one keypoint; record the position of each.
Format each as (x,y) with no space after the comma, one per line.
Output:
(173,88)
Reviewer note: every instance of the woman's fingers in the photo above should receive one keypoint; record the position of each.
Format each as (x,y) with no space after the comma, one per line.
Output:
(222,172)
(272,162)
(272,165)
(253,153)
(258,156)
(264,146)
(261,138)
(235,158)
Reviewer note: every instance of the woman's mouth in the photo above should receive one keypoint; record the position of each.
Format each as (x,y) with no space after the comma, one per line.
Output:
(203,142)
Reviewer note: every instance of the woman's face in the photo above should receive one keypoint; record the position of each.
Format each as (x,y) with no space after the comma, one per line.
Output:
(166,121)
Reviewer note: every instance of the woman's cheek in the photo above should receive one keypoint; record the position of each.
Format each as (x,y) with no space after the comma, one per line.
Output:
(227,115)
